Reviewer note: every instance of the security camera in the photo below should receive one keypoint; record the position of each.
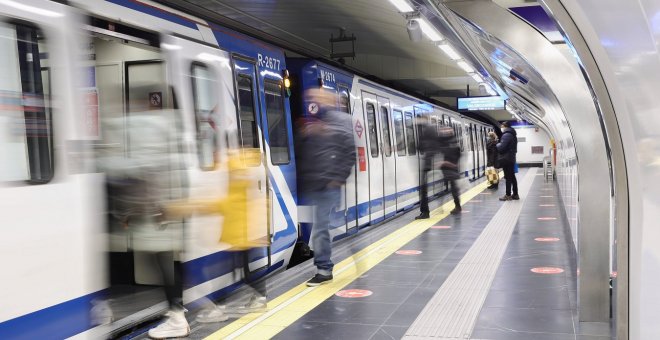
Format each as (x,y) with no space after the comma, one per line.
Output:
(414,31)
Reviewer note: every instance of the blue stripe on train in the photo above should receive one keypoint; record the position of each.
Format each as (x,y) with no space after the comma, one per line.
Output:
(156,12)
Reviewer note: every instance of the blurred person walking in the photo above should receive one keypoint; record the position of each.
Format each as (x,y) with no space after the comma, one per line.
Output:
(326,157)
(451,152)
(429,146)
(507,148)
(492,163)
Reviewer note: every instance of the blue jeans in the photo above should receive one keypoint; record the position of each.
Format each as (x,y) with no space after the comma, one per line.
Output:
(324,203)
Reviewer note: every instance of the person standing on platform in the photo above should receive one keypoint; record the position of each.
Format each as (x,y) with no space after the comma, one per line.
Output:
(325,160)
(450,164)
(492,163)
(428,145)
(507,148)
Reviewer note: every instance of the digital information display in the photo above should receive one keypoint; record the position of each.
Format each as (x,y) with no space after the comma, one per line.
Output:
(481,103)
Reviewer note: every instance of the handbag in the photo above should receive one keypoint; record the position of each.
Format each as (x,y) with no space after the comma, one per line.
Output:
(492,175)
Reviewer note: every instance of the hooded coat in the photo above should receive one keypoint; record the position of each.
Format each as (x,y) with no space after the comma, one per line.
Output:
(508,146)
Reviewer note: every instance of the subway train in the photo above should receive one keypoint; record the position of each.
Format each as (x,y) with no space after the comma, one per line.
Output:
(75,76)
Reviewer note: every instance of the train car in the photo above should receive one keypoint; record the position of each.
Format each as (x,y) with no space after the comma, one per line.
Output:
(385,180)
(75,85)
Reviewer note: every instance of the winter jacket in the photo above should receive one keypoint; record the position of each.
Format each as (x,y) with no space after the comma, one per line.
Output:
(507,147)
(428,144)
(327,155)
(491,154)
(448,146)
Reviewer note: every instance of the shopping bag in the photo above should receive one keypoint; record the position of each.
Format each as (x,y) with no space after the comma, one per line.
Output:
(492,175)
(515,168)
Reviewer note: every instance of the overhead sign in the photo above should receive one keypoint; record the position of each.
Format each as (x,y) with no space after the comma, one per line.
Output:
(481,103)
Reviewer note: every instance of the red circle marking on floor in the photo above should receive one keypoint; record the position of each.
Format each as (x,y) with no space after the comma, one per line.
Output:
(546,239)
(441,227)
(408,252)
(546,205)
(546,218)
(547,270)
(354,293)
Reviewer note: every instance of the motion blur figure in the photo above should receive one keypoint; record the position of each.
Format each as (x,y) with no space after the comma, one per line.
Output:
(429,146)
(141,180)
(238,230)
(325,159)
(451,152)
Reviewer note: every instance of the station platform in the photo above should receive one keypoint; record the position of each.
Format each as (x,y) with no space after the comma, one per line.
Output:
(499,270)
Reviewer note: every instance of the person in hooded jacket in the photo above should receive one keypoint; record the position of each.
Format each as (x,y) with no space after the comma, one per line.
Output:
(507,148)
(492,155)
(429,147)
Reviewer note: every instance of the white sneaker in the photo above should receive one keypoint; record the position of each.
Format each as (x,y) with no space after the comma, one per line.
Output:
(101,313)
(210,315)
(256,304)
(175,326)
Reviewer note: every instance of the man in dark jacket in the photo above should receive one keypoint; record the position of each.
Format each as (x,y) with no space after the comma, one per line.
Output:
(507,148)
(429,147)
(324,161)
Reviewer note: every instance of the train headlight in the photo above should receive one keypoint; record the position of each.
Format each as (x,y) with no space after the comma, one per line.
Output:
(287,82)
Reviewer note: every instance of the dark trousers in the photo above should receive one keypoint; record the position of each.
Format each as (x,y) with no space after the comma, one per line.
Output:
(423,193)
(510,177)
(172,282)
(454,193)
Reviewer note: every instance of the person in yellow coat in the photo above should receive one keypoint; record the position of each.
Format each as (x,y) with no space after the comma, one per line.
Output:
(238,228)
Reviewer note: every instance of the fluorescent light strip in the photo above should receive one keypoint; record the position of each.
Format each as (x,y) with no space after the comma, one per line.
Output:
(428,30)
(449,51)
(477,77)
(31,9)
(465,66)
(402,5)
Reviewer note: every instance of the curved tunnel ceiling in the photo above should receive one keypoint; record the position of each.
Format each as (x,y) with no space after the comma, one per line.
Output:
(383,48)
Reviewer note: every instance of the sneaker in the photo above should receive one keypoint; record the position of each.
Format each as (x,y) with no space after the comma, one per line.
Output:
(319,279)
(506,198)
(422,216)
(176,326)
(256,304)
(101,313)
(515,197)
(456,211)
(210,315)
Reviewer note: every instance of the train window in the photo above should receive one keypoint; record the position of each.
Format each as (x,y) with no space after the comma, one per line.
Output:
(385,126)
(25,118)
(397,117)
(205,101)
(278,134)
(344,100)
(248,120)
(373,135)
(410,134)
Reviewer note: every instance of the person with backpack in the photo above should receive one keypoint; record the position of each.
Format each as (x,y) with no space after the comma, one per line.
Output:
(507,148)
(325,160)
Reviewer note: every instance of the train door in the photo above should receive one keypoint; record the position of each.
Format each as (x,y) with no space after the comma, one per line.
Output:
(376,201)
(350,188)
(389,162)
(251,138)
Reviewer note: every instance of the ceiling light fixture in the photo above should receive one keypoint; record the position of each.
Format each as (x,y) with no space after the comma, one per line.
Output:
(428,30)
(449,51)
(465,66)
(402,5)
(477,77)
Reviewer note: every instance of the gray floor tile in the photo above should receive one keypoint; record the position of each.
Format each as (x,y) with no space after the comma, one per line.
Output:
(389,333)
(326,331)
(354,311)
(541,320)
(504,334)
